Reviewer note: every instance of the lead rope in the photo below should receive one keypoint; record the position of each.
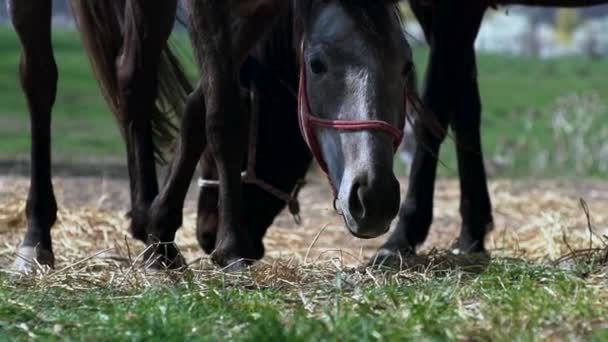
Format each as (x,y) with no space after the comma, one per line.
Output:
(249,175)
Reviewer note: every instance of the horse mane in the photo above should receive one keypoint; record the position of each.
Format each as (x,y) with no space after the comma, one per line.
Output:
(278,48)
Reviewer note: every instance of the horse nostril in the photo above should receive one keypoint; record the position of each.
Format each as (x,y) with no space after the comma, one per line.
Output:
(356,204)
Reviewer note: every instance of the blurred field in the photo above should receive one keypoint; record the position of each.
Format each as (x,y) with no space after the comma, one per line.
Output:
(520,98)
(83,127)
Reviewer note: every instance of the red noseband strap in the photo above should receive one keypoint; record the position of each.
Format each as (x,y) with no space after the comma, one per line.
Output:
(308,123)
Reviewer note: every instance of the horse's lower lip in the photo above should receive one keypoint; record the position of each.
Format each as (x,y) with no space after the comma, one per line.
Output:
(360,236)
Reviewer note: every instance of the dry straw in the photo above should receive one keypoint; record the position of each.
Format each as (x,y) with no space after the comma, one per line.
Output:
(544,222)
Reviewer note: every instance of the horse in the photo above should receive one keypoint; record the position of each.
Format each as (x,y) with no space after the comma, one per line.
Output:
(270,75)
(450,95)
(352,55)
(351,63)
(141,80)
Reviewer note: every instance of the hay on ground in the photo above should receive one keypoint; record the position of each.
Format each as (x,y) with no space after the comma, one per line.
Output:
(540,221)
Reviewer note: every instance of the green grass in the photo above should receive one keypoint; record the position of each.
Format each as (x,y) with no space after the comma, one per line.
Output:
(517,92)
(519,97)
(510,300)
(83,126)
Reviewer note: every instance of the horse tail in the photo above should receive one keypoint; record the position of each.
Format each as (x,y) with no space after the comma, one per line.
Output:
(100,23)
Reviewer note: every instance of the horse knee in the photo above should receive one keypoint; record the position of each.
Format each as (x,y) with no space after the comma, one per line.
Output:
(135,81)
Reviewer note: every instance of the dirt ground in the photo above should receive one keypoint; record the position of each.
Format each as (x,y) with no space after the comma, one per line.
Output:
(533,219)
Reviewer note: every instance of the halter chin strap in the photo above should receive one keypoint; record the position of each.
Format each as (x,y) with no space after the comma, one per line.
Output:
(308,122)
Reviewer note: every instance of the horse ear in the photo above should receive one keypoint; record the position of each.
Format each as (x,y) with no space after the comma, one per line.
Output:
(248,8)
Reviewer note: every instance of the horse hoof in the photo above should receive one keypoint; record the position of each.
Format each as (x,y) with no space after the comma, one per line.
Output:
(467,247)
(232,258)
(391,258)
(468,252)
(237,265)
(159,262)
(207,241)
(232,263)
(164,256)
(29,259)
(471,258)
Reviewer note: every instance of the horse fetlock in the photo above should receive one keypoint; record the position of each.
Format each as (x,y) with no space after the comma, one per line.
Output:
(163,223)
(40,214)
(392,255)
(139,223)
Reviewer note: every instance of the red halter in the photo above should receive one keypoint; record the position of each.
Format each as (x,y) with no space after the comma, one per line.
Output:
(308,122)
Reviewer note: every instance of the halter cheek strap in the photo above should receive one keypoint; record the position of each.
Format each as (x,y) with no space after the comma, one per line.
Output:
(308,122)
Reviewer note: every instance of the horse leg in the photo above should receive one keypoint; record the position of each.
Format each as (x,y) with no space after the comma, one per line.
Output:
(165,214)
(207,219)
(448,29)
(416,213)
(475,206)
(225,129)
(147,29)
(212,116)
(32,21)
(224,229)
(210,34)
(236,246)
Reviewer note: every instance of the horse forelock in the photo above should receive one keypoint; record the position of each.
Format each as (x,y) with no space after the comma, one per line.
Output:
(369,16)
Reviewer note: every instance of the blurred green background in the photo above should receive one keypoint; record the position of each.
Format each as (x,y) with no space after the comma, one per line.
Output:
(540,117)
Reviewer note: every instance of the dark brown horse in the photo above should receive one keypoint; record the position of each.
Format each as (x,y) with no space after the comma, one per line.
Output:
(451,94)
(133,74)
(353,64)
(126,41)
(341,91)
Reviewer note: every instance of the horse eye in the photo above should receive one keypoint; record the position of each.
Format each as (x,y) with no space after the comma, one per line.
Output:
(407,69)
(317,66)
